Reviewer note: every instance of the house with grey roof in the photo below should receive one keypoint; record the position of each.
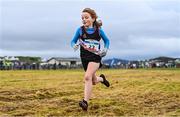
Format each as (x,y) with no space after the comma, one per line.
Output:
(68,62)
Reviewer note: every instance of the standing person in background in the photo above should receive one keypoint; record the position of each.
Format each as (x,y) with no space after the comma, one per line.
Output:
(89,36)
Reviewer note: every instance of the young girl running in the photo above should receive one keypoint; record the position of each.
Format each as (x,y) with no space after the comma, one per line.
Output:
(89,36)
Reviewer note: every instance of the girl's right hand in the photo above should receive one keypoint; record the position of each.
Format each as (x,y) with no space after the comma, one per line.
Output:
(76,47)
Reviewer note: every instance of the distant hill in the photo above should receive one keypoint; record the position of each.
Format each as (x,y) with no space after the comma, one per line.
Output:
(164,59)
(114,61)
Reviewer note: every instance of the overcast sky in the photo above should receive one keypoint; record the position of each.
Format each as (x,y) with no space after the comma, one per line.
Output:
(137,29)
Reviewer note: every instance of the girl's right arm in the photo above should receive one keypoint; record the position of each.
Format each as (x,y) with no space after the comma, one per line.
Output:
(75,38)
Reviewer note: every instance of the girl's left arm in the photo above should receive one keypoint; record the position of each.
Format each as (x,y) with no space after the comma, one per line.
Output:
(105,38)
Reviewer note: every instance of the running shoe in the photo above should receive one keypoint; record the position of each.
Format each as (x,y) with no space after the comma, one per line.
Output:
(105,82)
(83,104)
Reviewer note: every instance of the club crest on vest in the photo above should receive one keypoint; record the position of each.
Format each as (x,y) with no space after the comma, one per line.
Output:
(84,36)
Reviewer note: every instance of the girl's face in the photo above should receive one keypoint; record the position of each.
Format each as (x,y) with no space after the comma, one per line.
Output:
(87,20)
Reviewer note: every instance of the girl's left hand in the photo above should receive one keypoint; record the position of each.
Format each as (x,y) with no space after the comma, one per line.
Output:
(103,52)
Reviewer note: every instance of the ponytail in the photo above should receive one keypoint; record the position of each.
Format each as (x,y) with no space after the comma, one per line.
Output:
(97,23)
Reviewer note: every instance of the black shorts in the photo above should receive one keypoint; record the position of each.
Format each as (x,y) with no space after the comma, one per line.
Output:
(85,63)
(87,57)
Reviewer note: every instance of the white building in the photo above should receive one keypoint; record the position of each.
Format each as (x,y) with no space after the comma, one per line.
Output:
(65,61)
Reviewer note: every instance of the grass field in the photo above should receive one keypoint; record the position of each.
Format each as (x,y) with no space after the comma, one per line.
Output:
(139,92)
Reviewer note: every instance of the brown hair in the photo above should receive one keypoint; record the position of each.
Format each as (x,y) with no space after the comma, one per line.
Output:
(93,15)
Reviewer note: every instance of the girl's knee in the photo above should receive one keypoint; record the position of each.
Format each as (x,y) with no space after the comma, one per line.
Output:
(88,77)
(94,79)
(94,83)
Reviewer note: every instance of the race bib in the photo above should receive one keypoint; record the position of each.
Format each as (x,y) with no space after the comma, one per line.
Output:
(90,45)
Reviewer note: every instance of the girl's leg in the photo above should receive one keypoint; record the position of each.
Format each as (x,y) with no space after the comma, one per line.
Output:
(96,79)
(101,78)
(91,69)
